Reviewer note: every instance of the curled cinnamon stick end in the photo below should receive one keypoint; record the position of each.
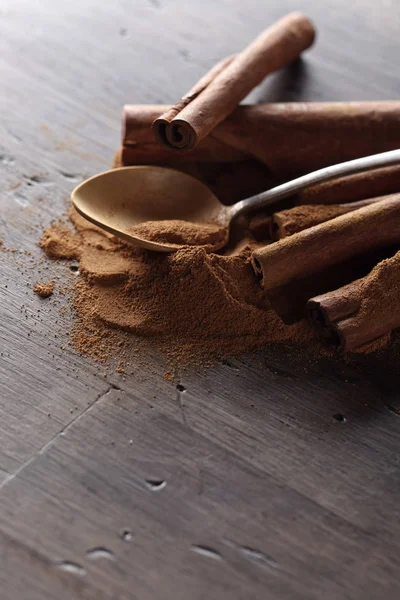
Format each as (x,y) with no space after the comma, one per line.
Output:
(365,311)
(139,146)
(180,135)
(289,301)
(325,310)
(340,239)
(216,95)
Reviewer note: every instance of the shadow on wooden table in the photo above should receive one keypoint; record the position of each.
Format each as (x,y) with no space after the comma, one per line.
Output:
(348,389)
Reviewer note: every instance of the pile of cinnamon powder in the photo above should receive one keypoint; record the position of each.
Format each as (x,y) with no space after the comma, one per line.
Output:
(194,306)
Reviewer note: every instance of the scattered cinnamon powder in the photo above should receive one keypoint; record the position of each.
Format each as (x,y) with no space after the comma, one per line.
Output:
(44,290)
(59,242)
(182,233)
(195,306)
(121,367)
(192,305)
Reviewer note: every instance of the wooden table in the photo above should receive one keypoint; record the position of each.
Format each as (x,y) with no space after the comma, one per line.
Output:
(267,477)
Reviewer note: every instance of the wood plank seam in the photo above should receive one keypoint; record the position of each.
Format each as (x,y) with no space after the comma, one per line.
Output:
(53,439)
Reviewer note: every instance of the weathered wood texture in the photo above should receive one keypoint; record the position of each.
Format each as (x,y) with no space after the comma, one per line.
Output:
(268,477)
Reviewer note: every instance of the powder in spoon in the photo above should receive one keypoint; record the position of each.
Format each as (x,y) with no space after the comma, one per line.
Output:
(182,233)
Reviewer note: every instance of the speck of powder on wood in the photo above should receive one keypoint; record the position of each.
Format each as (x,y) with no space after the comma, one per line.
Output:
(44,290)
(120,367)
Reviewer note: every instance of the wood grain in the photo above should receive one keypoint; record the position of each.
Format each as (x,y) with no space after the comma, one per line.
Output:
(182,516)
(269,476)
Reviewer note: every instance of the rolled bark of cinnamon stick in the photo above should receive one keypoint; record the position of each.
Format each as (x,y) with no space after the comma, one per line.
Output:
(289,301)
(161,125)
(216,95)
(340,239)
(354,187)
(288,139)
(139,146)
(365,311)
(291,221)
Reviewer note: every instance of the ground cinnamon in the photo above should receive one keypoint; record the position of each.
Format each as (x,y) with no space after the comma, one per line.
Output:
(193,305)
(181,233)
(44,290)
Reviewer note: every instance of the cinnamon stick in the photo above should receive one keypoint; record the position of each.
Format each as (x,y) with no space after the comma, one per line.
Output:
(139,146)
(365,311)
(161,124)
(354,187)
(325,133)
(290,221)
(289,301)
(342,238)
(215,96)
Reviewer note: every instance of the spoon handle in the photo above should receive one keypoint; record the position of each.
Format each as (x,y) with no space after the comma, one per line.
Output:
(297,185)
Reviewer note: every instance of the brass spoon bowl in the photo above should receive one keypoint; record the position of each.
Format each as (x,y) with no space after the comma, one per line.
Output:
(123,198)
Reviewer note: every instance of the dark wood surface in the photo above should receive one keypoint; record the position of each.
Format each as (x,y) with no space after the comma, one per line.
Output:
(273,476)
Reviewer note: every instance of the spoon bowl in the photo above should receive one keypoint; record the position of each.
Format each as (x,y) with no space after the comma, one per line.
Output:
(122,201)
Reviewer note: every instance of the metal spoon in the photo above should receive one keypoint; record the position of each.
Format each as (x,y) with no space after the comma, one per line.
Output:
(123,198)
